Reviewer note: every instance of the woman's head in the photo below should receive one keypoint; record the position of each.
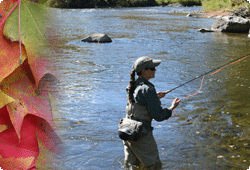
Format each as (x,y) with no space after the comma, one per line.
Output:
(145,67)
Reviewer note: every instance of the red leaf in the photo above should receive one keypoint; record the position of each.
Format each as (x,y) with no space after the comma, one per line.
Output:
(20,85)
(11,147)
(27,146)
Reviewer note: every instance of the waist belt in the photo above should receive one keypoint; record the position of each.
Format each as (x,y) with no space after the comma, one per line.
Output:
(146,123)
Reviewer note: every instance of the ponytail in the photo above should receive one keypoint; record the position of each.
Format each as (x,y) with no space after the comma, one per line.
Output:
(131,86)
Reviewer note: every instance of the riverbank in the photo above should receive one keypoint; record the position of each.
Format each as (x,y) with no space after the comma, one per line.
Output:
(119,3)
(208,12)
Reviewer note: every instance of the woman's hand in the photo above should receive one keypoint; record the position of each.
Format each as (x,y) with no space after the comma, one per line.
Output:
(162,94)
(175,103)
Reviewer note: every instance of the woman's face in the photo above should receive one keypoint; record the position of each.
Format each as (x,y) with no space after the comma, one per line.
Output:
(148,73)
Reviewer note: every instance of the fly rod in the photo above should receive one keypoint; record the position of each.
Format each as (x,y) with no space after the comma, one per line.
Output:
(213,70)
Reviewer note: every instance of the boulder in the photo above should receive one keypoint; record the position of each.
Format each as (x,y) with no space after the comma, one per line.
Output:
(98,38)
(242,11)
(176,5)
(231,24)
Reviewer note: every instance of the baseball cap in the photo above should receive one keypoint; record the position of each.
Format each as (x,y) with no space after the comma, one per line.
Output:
(145,62)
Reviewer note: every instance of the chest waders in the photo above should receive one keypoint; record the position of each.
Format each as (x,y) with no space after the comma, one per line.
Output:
(138,112)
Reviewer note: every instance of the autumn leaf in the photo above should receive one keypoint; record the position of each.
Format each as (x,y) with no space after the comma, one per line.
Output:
(20,85)
(5,99)
(25,89)
(13,163)
(3,127)
(34,26)
(27,146)
(45,158)
(9,51)
(11,148)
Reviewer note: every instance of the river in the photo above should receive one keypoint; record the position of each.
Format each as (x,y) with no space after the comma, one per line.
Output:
(211,129)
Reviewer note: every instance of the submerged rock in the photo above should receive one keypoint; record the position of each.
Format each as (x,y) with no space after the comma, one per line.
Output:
(205,30)
(189,15)
(98,38)
(231,24)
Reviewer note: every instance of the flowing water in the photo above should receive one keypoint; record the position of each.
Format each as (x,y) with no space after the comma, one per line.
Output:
(210,130)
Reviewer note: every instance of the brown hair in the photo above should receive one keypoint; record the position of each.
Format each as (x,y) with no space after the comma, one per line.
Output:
(131,86)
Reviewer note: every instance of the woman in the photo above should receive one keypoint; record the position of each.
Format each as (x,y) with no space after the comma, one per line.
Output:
(144,104)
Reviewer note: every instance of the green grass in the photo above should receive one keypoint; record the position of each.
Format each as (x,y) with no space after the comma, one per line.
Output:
(208,5)
(213,5)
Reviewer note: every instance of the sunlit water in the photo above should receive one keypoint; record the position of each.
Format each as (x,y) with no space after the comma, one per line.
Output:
(210,130)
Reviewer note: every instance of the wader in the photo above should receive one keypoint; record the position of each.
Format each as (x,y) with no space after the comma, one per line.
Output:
(144,151)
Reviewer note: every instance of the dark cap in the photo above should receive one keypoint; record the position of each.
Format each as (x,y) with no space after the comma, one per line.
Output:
(145,62)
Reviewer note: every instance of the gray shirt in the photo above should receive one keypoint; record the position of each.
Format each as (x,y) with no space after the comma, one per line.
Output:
(145,95)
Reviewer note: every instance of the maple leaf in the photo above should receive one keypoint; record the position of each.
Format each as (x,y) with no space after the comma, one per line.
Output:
(32,128)
(3,127)
(25,106)
(34,26)
(13,163)
(12,149)
(20,85)
(5,99)
(9,51)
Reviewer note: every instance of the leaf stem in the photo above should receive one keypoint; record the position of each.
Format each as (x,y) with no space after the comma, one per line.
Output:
(4,19)
(19,31)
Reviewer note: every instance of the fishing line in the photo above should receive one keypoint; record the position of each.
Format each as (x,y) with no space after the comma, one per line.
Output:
(213,71)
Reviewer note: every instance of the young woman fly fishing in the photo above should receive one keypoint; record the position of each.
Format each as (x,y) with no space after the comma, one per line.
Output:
(143,106)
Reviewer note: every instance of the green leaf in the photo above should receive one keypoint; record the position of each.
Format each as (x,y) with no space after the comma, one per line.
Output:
(34,22)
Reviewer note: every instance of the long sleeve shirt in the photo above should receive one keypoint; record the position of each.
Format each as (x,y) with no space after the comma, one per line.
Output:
(145,95)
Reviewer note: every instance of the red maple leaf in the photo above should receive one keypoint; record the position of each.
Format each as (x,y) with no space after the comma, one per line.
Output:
(25,106)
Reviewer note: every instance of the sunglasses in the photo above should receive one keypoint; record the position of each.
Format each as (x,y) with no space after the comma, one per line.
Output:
(152,68)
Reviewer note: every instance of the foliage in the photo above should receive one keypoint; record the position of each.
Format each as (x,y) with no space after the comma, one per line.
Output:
(183,2)
(25,98)
(212,5)
(207,4)
(99,3)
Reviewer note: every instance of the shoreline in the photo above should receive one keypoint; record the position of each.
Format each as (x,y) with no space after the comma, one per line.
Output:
(214,14)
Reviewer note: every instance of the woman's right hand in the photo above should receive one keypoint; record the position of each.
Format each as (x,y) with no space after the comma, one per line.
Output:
(175,103)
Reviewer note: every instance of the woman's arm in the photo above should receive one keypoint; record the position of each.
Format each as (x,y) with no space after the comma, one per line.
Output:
(153,104)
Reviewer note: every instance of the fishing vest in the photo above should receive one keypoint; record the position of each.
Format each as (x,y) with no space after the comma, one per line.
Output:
(138,112)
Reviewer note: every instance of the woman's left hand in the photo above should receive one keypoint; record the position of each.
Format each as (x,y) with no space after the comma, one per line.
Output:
(162,94)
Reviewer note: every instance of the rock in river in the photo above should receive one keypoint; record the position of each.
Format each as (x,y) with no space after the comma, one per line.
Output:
(98,38)
(205,30)
(231,24)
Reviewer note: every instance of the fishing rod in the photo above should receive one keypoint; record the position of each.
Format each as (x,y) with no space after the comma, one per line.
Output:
(213,70)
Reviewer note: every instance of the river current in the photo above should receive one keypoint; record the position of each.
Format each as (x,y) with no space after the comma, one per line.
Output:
(211,129)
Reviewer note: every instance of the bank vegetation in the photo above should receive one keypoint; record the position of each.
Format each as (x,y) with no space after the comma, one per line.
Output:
(208,5)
